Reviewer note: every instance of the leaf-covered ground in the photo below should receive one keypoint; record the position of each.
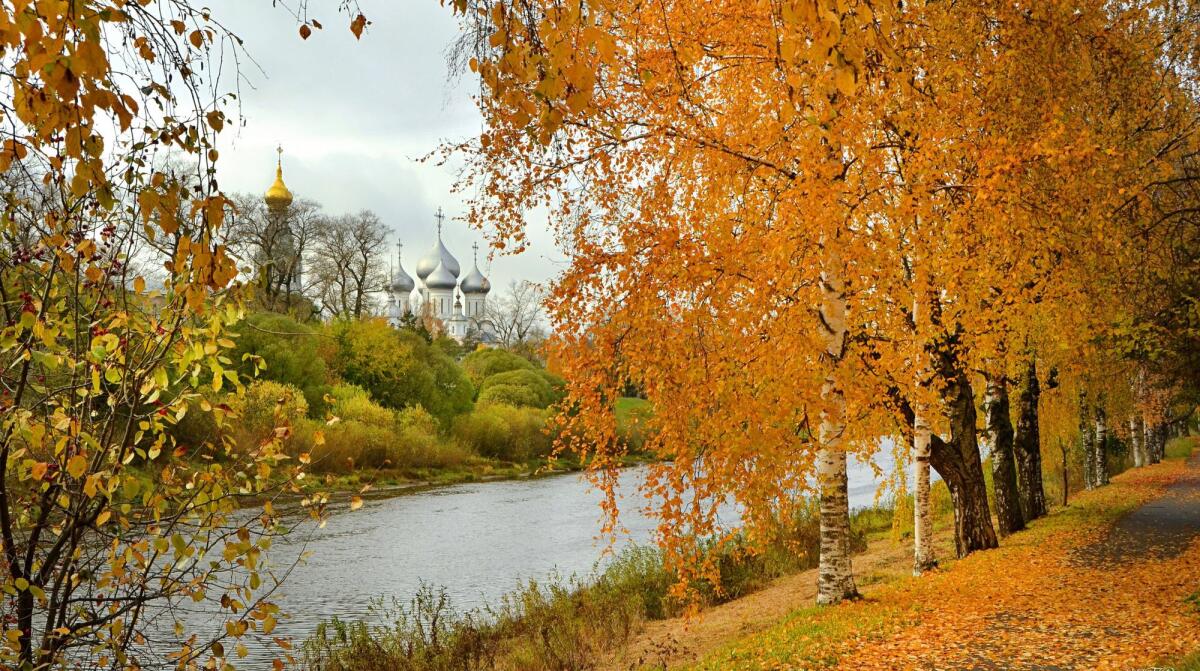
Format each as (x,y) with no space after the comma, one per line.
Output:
(1088,587)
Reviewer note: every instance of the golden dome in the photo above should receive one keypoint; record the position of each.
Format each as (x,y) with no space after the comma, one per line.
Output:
(278,195)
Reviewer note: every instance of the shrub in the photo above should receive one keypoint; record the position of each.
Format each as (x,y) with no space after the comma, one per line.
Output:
(558,385)
(633,417)
(416,417)
(290,351)
(266,405)
(543,393)
(504,432)
(418,444)
(482,364)
(343,391)
(399,368)
(511,394)
(352,444)
(363,409)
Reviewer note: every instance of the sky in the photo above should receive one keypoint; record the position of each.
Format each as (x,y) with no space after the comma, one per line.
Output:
(355,116)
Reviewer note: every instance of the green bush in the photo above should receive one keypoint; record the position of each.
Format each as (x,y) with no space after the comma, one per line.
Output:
(363,409)
(558,385)
(416,417)
(633,417)
(399,369)
(510,394)
(290,352)
(418,443)
(530,379)
(504,432)
(266,405)
(482,364)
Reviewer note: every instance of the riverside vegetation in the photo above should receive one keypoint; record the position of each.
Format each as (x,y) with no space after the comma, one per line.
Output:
(392,405)
(573,623)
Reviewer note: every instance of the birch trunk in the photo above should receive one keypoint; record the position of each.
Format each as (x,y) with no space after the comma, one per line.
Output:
(1136,443)
(1157,439)
(1009,518)
(1086,440)
(1027,446)
(923,555)
(1100,448)
(835,577)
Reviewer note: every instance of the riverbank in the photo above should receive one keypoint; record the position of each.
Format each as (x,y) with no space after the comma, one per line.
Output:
(384,482)
(1042,600)
(968,611)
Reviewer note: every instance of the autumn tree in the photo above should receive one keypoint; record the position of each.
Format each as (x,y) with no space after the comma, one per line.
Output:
(753,198)
(107,522)
(517,317)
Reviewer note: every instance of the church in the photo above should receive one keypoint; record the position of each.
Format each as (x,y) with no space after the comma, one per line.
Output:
(441,292)
(456,304)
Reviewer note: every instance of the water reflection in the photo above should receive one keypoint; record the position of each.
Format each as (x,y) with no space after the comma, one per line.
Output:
(477,540)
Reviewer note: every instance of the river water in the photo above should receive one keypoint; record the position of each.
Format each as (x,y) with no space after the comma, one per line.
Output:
(476,540)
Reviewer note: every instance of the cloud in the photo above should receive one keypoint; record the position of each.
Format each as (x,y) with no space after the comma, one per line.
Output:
(354,116)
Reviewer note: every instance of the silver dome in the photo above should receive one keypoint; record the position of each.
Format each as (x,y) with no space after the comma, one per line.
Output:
(402,283)
(475,282)
(438,255)
(439,278)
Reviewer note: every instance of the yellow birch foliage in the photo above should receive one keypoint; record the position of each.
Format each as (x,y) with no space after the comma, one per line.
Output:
(699,160)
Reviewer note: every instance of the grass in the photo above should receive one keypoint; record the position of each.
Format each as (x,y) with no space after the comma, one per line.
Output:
(1181,448)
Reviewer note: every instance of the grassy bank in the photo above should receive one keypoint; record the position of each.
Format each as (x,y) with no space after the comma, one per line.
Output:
(923,623)
(561,624)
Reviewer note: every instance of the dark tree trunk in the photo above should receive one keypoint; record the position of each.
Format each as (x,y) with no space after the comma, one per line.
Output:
(1009,516)
(959,464)
(1027,447)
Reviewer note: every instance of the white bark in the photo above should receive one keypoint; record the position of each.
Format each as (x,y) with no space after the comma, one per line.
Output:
(1099,466)
(835,577)
(1136,444)
(923,556)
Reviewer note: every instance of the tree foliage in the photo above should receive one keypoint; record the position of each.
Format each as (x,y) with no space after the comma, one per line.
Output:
(401,369)
(972,181)
(117,294)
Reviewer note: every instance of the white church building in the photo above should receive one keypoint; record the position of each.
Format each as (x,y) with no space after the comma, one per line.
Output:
(458,302)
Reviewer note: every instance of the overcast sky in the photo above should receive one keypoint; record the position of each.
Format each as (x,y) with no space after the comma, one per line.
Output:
(354,117)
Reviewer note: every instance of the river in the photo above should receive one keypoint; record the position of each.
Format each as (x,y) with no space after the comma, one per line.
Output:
(476,540)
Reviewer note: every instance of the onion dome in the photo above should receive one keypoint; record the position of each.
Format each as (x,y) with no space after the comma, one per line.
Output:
(438,255)
(440,278)
(475,282)
(402,283)
(278,196)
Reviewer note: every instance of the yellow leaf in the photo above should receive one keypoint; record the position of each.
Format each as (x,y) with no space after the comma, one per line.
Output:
(356,502)
(76,465)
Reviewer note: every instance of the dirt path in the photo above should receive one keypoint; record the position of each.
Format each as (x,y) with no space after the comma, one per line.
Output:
(1082,589)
